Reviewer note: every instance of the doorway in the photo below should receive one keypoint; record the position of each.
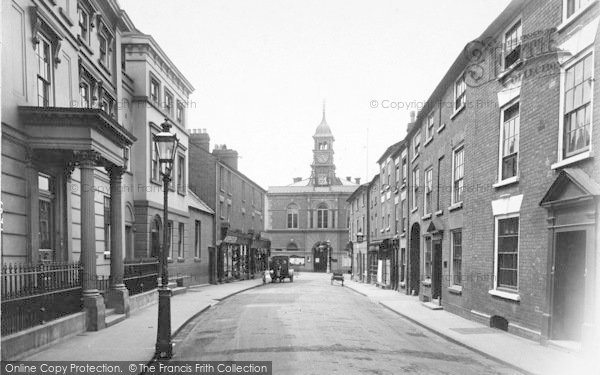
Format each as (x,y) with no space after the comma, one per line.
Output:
(320,256)
(568,285)
(414,257)
(436,277)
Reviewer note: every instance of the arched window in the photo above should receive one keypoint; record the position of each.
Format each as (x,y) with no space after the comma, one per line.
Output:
(291,246)
(292,216)
(322,216)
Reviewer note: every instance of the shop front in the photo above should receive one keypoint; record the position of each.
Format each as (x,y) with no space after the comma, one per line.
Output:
(233,257)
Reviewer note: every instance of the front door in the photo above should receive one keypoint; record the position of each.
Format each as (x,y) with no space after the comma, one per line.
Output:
(436,276)
(569,285)
(320,257)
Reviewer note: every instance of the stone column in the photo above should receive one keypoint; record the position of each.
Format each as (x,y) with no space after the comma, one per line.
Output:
(92,300)
(118,296)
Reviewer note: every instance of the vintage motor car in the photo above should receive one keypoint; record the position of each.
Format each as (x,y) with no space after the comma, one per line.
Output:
(280,269)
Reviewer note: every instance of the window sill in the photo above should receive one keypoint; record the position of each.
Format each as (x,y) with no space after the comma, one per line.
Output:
(65,16)
(426,282)
(457,111)
(571,160)
(455,289)
(180,260)
(169,260)
(508,181)
(197,260)
(403,235)
(511,69)
(181,192)
(426,217)
(403,186)
(439,213)
(428,141)
(575,16)
(402,285)
(85,44)
(441,127)
(155,182)
(455,206)
(414,210)
(414,158)
(104,67)
(505,295)
(107,255)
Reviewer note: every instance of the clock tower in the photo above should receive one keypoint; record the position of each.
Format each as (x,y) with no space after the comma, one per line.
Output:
(323,169)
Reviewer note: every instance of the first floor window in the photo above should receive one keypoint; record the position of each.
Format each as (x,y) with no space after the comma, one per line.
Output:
(512,45)
(154,163)
(428,190)
(510,141)
(154,90)
(84,92)
(507,251)
(457,257)
(458,175)
(415,182)
(573,6)
(427,270)
(181,174)
(43,52)
(322,216)
(292,217)
(578,107)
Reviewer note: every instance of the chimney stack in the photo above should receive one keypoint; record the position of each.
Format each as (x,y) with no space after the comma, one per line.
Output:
(357,180)
(200,138)
(297,179)
(226,156)
(349,178)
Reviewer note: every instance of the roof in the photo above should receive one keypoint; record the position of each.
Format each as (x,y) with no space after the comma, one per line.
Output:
(462,60)
(195,202)
(391,150)
(358,190)
(323,130)
(311,189)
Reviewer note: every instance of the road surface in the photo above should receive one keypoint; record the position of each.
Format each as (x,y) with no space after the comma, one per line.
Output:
(312,327)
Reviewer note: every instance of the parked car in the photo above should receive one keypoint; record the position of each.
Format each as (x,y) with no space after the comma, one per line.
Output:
(280,268)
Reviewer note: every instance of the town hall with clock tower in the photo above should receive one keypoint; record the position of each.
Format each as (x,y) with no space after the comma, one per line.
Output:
(307,220)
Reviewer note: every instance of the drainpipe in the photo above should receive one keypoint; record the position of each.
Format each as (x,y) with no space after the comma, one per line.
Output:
(368,265)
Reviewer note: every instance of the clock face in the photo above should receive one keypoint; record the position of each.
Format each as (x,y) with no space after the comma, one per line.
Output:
(322,158)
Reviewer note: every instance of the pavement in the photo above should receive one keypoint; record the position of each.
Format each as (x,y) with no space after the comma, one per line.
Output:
(520,353)
(134,338)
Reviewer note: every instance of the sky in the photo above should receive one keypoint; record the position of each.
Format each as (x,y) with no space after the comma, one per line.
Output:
(262,69)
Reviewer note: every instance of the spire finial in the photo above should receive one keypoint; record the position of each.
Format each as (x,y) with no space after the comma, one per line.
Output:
(323,109)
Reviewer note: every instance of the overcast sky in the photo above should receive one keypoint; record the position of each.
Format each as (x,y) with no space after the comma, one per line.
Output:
(262,68)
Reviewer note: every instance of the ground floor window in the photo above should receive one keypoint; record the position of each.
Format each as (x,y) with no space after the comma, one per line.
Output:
(456,257)
(197,238)
(507,251)
(402,265)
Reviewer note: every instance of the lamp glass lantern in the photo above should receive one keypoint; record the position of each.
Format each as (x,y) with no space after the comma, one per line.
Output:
(166,144)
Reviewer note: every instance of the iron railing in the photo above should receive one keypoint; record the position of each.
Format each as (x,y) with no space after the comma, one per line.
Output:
(33,294)
(141,276)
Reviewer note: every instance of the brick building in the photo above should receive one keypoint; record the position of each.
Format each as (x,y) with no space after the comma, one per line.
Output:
(238,203)
(307,220)
(358,213)
(504,183)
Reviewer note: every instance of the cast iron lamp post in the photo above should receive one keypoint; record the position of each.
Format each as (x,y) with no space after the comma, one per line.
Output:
(165,144)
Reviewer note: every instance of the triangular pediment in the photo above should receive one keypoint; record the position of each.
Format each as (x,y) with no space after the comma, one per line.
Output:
(571,183)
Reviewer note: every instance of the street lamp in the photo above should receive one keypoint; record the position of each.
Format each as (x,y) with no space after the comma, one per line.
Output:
(165,144)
